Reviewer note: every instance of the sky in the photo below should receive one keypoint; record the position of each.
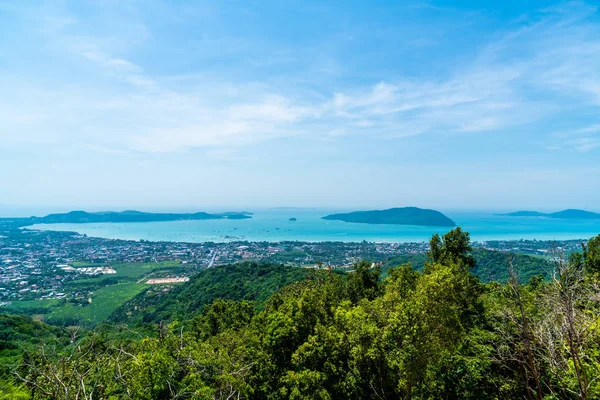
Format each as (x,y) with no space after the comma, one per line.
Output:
(199,105)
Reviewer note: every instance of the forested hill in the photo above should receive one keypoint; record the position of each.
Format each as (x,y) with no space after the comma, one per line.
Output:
(130,216)
(395,216)
(244,281)
(19,333)
(256,282)
(490,265)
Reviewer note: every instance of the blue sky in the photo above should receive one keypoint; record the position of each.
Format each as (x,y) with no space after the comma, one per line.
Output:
(240,104)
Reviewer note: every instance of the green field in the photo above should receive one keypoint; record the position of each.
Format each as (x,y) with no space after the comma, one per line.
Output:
(79,264)
(104,302)
(108,293)
(138,270)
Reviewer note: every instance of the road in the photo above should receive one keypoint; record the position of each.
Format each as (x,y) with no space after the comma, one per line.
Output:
(212,260)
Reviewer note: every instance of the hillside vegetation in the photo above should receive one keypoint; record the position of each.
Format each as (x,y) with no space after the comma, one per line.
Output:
(438,333)
(490,265)
(18,333)
(245,281)
(256,282)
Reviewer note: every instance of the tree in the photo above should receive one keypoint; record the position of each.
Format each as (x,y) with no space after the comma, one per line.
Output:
(453,248)
(9,390)
(75,372)
(222,315)
(569,331)
(515,344)
(591,256)
(364,281)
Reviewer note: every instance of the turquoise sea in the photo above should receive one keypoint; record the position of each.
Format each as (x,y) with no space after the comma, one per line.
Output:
(273,225)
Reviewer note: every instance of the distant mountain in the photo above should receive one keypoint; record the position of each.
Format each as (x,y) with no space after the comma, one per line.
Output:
(575,214)
(395,216)
(81,217)
(292,208)
(565,214)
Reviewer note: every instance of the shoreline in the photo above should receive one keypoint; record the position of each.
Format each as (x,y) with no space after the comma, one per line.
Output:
(232,240)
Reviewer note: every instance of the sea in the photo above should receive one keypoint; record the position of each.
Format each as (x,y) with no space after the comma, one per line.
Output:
(274,225)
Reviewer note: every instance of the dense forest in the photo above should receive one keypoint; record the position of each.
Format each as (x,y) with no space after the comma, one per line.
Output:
(244,281)
(431,332)
(490,265)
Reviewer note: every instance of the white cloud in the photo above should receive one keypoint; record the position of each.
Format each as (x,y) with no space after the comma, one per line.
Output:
(523,77)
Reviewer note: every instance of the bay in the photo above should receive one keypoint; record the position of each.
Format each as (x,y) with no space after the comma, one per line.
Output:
(273,225)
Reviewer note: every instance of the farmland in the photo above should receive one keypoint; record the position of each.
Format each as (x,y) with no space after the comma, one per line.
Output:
(91,300)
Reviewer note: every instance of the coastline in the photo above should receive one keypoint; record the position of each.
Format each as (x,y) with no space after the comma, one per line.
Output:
(276,228)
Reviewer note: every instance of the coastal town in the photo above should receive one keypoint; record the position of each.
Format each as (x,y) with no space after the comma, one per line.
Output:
(36,265)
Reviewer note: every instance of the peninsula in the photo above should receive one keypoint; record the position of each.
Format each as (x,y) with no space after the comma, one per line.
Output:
(82,217)
(395,216)
(565,214)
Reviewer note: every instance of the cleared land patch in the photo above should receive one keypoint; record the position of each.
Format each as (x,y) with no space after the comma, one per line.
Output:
(161,281)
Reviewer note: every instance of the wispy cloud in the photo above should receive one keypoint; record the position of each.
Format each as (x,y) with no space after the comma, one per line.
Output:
(547,63)
(120,69)
(582,139)
(584,144)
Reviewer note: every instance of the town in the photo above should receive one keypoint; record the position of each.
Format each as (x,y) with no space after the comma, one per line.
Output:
(36,265)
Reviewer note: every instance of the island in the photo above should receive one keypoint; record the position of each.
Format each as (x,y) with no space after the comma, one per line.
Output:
(565,214)
(293,219)
(82,217)
(395,216)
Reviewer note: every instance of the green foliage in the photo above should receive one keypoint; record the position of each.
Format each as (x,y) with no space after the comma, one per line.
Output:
(591,255)
(245,281)
(435,333)
(10,390)
(364,282)
(490,265)
(221,316)
(453,248)
(18,333)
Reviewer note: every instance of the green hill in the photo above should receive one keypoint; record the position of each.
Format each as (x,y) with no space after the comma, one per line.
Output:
(256,282)
(20,333)
(395,216)
(491,265)
(79,217)
(245,281)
